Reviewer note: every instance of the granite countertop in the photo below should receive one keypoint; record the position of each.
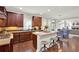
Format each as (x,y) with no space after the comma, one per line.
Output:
(44,33)
(6,40)
(14,31)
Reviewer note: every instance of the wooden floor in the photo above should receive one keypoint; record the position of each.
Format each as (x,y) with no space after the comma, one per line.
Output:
(68,45)
(65,45)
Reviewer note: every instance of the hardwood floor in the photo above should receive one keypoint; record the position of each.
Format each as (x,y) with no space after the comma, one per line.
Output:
(65,45)
(71,45)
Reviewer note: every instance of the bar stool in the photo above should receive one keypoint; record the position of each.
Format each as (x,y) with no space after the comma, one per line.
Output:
(53,47)
(59,39)
(44,48)
(52,42)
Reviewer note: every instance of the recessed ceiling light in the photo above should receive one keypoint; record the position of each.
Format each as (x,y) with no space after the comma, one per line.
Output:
(40,13)
(49,10)
(20,8)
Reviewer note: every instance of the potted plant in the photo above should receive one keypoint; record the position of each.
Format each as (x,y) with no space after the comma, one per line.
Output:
(46,28)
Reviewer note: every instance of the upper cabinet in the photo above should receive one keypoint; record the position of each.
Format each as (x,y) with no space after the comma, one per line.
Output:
(15,19)
(36,21)
(19,20)
(3,14)
(11,19)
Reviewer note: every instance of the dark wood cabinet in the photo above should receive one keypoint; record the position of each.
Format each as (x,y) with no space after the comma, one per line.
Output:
(19,39)
(36,21)
(11,19)
(15,19)
(25,36)
(5,48)
(16,38)
(19,20)
(34,38)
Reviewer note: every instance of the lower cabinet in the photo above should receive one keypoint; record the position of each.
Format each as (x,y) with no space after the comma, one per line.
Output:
(5,48)
(21,41)
(25,36)
(34,38)
(16,38)
(21,37)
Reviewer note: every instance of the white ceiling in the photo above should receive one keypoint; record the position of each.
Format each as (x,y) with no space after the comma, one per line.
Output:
(57,12)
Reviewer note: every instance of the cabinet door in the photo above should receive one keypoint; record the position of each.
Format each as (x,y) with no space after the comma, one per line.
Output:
(34,38)
(11,19)
(25,36)
(16,38)
(36,21)
(15,19)
(19,20)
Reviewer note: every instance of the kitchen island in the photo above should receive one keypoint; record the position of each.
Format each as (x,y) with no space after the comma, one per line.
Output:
(43,36)
(21,41)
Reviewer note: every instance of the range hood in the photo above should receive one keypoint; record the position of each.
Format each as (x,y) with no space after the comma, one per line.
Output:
(3,14)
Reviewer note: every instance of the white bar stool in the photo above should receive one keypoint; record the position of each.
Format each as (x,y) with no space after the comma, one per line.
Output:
(44,48)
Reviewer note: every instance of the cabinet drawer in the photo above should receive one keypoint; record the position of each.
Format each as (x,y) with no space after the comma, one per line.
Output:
(25,33)
(25,37)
